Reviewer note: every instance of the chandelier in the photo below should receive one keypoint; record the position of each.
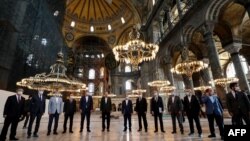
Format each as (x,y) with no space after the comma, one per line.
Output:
(224,81)
(167,89)
(135,51)
(187,66)
(56,80)
(137,91)
(202,88)
(159,83)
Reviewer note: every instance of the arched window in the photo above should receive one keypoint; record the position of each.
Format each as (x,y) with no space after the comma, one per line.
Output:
(91,87)
(128,85)
(91,74)
(231,70)
(101,72)
(127,68)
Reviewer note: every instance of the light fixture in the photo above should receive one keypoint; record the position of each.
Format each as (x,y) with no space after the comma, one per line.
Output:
(56,80)
(168,89)
(135,51)
(136,91)
(159,83)
(123,21)
(188,67)
(56,13)
(109,27)
(153,2)
(92,28)
(73,24)
(224,81)
(202,88)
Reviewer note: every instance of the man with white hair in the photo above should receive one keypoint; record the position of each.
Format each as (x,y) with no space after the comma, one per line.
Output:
(86,107)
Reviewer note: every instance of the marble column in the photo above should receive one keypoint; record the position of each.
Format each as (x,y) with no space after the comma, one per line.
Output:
(214,58)
(234,49)
(167,72)
(170,25)
(188,82)
(205,74)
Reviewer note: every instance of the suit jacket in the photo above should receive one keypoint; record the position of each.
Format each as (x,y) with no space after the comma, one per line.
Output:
(55,105)
(141,105)
(240,102)
(106,107)
(13,108)
(69,106)
(192,107)
(37,105)
(86,106)
(127,108)
(156,105)
(175,106)
(212,107)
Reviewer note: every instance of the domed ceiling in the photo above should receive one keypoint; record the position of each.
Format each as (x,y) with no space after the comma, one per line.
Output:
(103,16)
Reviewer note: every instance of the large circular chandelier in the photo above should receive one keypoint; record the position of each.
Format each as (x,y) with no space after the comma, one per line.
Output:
(56,80)
(135,51)
(189,67)
(202,88)
(158,83)
(224,81)
(137,91)
(167,89)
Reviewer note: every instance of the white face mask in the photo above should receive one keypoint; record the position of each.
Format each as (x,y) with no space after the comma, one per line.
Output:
(40,92)
(155,94)
(20,92)
(127,97)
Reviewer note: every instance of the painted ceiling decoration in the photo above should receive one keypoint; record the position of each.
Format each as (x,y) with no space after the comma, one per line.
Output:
(107,19)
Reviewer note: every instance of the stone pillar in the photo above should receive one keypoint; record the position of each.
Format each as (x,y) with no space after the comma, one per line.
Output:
(167,72)
(234,49)
(205,74)
(161,26)
(178,4)
(188,82)
(145,77)
(214,58)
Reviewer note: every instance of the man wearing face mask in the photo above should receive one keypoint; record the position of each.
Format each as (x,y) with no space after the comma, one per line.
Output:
(141,109)
(175,108)
(238,105)
(86,107)
(69,110)
(13,112)
(214,111)
(54,110)
(157,109)
(106,108)
(192,109)
(127,110)
(36,110)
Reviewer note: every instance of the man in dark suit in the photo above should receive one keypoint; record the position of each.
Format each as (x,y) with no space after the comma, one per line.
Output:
(192,110)
(13,112)
(214,111)
(36,110)
(238,105)
(141,109)
(69,110)
(105,107)
(175,108)
(86,107)
(157,109)
(127,110)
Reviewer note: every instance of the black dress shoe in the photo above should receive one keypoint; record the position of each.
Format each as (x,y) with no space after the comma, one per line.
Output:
(174,132)
(124,130)
(211,136)
(156,131)
(139,130)
(146,130)
(35,135)
(130,130)
(88,130)
(182,132)
(222,137)
(190,134)
(103,130)
(64,132)
(55,133)
(14,139)
(80,131)
(27,137)
(48,133)
(108,130)
(162,131)
(71,131)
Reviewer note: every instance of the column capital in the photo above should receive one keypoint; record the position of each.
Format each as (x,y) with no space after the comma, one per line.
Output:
(207,28)
(233,47)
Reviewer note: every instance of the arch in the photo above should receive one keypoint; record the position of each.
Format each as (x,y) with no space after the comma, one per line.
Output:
(188,34)
(128,85)
(214,9)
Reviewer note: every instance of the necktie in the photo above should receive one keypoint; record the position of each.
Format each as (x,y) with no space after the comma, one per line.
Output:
(41,97)
(19,99)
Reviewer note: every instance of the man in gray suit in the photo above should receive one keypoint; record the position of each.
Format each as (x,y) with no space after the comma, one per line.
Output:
(54,110)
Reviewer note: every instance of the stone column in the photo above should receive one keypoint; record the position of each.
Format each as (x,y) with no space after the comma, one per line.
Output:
(234,49)
(160,21)
(213,58)
(188,82)
(170,25)
(205,73)
(167,72)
